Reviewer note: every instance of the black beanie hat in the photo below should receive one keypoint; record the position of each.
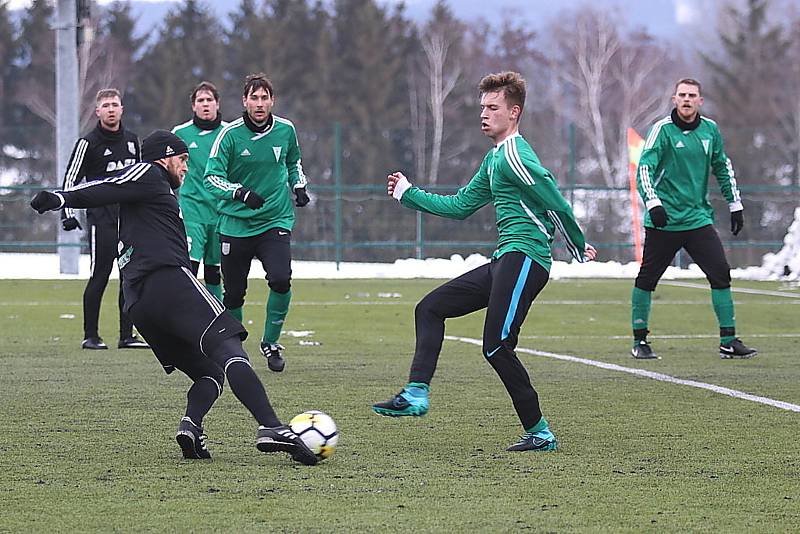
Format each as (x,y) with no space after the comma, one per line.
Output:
(162,144)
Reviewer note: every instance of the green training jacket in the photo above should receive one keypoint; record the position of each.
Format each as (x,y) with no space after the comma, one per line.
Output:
(528,205)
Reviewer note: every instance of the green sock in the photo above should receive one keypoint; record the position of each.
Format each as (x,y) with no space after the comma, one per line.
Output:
(541,425)
(277,308)
(722,300)
(417,389)
(236,312)
(215,290)
(640,308)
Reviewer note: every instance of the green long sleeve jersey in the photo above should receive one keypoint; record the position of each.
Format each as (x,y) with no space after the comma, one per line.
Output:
(268,163)
(528,205)
(673,172)
(198,205)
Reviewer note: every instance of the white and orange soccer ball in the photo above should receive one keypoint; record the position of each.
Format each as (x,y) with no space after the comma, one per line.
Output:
(317,430)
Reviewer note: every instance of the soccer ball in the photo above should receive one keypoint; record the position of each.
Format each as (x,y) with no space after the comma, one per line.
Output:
(318,432)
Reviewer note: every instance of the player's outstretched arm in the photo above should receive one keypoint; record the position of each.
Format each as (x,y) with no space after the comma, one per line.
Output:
(45,201)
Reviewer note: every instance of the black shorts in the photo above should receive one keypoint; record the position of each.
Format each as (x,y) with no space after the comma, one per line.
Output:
(182,321)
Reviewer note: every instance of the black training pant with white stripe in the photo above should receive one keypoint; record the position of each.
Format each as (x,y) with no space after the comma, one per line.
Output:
(506,287)
(189,329)
(103,241)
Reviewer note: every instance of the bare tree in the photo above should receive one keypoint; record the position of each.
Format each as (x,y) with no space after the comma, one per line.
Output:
(586,44)
(642,73)
(443,71)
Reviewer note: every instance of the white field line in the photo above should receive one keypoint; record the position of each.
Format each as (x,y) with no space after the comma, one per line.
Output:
(649,374)
(665,336)
(737,290)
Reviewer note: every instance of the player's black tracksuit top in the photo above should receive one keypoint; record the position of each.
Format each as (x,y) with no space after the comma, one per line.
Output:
(151,231)
(99,154)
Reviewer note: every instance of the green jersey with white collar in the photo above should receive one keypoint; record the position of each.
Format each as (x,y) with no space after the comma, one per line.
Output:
(528,205)
(197,204)
(266,162)
(674,168)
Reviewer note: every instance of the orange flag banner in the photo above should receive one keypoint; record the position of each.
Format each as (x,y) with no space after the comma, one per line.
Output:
(635,146)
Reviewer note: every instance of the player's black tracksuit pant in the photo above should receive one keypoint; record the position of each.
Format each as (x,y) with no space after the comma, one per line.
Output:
(272,248)
(188,329)
(506,287)
(103,241)
(702,244)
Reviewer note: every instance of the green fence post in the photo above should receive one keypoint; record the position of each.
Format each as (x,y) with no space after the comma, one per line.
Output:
(572,163)
(420,244)
(337,177)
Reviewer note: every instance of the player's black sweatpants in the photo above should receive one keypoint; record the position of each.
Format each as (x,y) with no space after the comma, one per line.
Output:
(103,241)
(702,244)
(272,248)
(507,287)
(189,330)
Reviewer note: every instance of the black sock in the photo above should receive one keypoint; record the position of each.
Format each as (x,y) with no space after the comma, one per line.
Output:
(200,398)
(640,334)
(250,391)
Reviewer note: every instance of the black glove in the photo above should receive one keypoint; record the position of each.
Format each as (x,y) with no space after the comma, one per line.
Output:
(659,216)
(45,201)
(300,197)
(737,221)
(70,223)
(250,198)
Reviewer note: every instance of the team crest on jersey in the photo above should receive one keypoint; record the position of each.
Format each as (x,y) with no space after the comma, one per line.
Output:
(226,249)
(245,152)
(132,147)
(706,145)
(679,144)
(192,145)
(107,152)
(277,151)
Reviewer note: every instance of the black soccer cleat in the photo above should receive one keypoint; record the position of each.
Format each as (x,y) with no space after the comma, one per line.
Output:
(93,343)
(642,351)
(283,439)
(736,350)
(192,440)
(132,342)
(273,352)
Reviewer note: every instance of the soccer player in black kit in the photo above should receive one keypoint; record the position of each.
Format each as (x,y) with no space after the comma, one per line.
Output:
(186,326)
(104,151)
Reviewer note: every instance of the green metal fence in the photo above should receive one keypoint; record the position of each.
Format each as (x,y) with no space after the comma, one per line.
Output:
(361,223)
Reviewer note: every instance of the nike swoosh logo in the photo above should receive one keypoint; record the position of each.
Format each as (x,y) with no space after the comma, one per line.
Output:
(726,349)
(283,233)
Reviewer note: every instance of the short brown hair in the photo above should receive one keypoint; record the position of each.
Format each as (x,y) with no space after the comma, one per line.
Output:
(512,84)
(689,81)
(205,86)
(108,92)
(257,81)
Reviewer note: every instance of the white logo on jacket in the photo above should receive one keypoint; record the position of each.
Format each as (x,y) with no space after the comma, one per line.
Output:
(706,145)
(277,151)
(132,147)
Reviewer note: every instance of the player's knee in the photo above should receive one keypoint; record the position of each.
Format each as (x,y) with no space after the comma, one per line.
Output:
(232,300)
(646,283)
(429,305)
(280,285)
(720,280)
(211,275)
(234,363)
(219,380)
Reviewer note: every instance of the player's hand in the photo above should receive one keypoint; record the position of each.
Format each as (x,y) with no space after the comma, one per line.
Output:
(70,223)
(300,197)
(589,253)
(659,216)
(45,201)
(248,197)
(737,221)
(396,185)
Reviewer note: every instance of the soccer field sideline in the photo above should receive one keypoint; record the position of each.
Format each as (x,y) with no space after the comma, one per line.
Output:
(661,377)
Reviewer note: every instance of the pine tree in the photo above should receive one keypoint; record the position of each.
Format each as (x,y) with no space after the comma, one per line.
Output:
(744,79)
(188,50)
(34,90)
